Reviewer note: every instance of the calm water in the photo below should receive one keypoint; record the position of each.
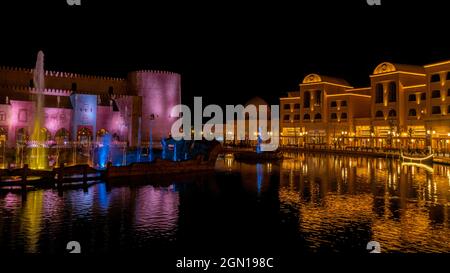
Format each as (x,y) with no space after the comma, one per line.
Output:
(309,203)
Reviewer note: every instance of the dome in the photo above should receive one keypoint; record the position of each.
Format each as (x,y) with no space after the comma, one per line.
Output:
(387,67)
(315,78)
(257,101)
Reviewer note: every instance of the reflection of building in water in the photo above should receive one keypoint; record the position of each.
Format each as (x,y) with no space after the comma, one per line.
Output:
(403,207)
(32,220)
(156,211)
(404,106)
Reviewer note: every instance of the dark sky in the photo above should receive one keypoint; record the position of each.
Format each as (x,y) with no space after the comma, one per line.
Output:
(226,51)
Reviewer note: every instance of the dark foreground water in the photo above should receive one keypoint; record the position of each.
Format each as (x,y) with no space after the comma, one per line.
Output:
(308,203)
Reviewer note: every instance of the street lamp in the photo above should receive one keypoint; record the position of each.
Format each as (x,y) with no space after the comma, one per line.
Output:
(150,140)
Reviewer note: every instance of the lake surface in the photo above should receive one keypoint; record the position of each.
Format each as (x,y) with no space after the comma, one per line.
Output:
(307,203)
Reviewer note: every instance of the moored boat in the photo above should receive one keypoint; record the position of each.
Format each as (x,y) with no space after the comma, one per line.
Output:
(419,159)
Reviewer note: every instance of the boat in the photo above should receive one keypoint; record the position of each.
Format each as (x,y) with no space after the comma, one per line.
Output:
(426,159)
(201,161)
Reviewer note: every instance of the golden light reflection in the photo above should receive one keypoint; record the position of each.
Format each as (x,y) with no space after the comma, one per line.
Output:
(405,207)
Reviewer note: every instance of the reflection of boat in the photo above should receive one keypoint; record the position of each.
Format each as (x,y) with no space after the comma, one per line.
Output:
(427,159)
(258,157)
(423,166)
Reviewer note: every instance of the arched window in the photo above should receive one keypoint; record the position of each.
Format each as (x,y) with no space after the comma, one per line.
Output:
(307,100)
(21,135)
(333,104)
(412,97)
(318,116)
(318,97)
(392,92)
(435,94)
(306,117)
(435,78)
(333,116)
(392,113)
(436,110)
(379,114)
(3,133)
(379,93)
(62,135)
(344,116)
(412,112)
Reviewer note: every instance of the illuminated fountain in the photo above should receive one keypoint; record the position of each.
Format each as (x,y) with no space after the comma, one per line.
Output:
(38,153)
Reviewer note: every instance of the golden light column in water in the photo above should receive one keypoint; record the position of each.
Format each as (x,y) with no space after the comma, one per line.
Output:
(38,157)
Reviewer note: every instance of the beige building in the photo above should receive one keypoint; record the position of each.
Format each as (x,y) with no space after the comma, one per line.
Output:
(405,106)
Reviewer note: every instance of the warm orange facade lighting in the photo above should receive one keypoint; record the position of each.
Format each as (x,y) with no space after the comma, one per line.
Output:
(399,72)
(437,64)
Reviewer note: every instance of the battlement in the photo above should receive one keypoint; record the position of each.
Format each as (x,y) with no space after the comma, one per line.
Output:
(21,69)
(50,73)
(157,72)
(46,91)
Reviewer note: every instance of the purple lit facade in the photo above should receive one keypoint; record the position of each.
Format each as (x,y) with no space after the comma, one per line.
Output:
(81,106)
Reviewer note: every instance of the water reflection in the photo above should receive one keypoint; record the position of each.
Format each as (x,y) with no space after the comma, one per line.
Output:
(101,219)
(318,203)
(405,208)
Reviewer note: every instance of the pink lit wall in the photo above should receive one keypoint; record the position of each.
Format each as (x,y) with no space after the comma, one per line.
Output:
(21,116)
(160,91)
(56,119)
(111,121)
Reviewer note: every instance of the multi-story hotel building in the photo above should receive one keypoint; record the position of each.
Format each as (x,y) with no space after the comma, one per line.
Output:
(404,106)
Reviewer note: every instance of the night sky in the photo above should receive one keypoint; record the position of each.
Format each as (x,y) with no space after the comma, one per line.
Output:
(225,51)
